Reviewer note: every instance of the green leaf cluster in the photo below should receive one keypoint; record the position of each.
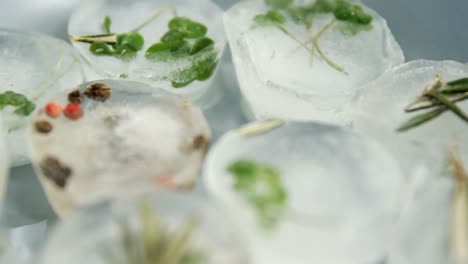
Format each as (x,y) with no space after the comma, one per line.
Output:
(353,18)
(186,39)
(439,98)
(125,48)
(23,105)
(262,188)
(153,243)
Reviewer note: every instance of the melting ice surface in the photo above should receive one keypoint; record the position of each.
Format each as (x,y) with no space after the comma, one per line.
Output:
(36,66)
(379,111)
(140,136)
(342,193)
(279,78)
(128,14)
(94,236)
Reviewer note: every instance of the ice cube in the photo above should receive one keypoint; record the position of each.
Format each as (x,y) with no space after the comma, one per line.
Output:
(97,234)
(280,78)
(124,135)
(4,163)
(192,73)
(36,66)
(423,232)
(379,109)
(306,192)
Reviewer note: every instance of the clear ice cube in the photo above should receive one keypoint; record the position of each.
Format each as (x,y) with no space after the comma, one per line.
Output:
(281,79)
(94,236)
(38,67)
(342,192)
(126,15)
(139,136)
(379,110)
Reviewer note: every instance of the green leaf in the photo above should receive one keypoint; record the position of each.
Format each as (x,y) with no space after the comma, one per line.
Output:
(125,52)
(188,27)
(455,87)
(261,186)
(173,36)
(133,40)
(352,29)
(24,106)
(451,106)
(163,51)
(107,24)
(99,49)
(201,44)
(279,4)
(271,18)
(346,11)
(421,119)
(202,68)
(25,109)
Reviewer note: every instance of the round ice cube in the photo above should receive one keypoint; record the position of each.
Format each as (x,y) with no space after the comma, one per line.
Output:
(157,228)
(118,136)
(184,60)
(287,71)
(379,109)
(33,67)
(306,192)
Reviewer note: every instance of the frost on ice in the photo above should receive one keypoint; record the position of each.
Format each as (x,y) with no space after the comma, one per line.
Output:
(319,194)
(35,67)
(124,135)
(281,78)
(179,55)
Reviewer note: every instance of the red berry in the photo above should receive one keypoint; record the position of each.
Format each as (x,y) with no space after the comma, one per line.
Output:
(53,110)
(73,111)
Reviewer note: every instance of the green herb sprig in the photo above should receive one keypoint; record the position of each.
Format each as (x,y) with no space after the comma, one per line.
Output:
(262,187)
(186,38)
(352,19)
(439,97)
(23,105)
(154,244)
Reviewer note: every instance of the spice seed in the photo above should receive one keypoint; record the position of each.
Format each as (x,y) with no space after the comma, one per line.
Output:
(55,171)
(98,92)
(43,127)
(200,142)
(75,97)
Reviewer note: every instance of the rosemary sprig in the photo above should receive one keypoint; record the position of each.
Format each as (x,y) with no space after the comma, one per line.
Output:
(441,96)
(154,244)
(459,224)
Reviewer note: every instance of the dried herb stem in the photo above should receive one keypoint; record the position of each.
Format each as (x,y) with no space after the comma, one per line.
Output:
(316,45)
(154,17)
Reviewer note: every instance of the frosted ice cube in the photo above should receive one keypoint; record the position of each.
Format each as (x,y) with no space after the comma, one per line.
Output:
(126,15)
(94,236)
(279,78)
(36,66)
(342,193)
(379,111)
(139,136)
